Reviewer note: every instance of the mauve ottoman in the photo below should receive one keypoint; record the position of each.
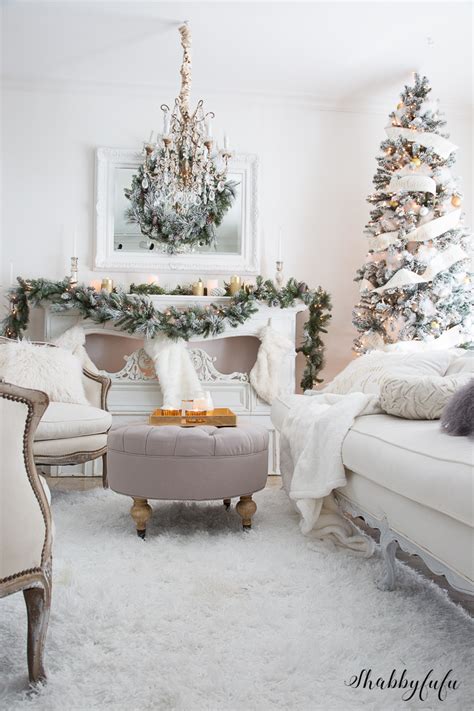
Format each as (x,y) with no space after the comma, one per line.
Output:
(187,464)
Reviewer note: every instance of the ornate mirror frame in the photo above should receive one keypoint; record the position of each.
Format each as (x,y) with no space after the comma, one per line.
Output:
(106,258)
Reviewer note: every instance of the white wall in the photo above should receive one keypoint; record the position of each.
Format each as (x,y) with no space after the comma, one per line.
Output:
(316,170)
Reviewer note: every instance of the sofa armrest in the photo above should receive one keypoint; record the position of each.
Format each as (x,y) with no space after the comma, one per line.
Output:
(96,388)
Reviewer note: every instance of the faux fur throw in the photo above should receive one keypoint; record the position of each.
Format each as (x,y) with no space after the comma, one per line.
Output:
(458,416)
(74,340)
(174,369)
(265,374)
(311,463)
(55,371)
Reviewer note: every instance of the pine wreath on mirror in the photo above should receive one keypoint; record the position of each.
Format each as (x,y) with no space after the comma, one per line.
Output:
(180,194)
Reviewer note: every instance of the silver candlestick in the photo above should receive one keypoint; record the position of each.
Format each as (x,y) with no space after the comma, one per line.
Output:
(279,278)
(73,277)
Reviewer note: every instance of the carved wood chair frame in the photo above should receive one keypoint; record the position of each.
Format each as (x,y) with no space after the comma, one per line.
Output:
(35,583)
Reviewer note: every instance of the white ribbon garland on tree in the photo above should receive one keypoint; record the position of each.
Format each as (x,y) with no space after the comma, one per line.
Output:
(430,230)
(440,263)
(412,184)
(440,145)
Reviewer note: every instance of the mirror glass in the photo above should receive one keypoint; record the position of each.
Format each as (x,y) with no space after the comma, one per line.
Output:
(128,238)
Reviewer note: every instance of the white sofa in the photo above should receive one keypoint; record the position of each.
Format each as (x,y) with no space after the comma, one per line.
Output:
(413,482)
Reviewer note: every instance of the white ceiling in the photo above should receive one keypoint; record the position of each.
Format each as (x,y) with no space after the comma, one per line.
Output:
(342,53)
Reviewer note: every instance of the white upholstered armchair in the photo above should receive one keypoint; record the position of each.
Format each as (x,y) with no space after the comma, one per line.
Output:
(72,433)
(25,518)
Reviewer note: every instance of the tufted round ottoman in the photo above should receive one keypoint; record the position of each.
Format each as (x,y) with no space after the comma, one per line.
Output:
(187,463)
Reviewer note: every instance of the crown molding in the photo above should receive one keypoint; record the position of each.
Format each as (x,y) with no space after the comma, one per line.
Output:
(296,100)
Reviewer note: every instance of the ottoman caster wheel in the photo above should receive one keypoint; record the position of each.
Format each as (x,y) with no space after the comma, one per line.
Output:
(227,504)
(246,509)
(140,512)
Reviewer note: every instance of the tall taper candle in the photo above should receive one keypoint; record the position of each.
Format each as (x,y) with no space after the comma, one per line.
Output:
(74,242)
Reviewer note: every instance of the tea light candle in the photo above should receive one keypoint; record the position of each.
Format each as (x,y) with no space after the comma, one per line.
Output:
(95,284)
(200,404)
(212,284)
(152,279)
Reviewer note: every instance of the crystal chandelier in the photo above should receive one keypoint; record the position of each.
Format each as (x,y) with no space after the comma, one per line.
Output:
(182,168)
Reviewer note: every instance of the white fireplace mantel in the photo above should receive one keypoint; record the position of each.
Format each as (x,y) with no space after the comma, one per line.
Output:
(135,391)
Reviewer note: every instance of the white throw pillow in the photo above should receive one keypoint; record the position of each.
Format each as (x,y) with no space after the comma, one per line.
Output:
(365,373)
(74,340)
(55,371)
(462,363)
(422,398)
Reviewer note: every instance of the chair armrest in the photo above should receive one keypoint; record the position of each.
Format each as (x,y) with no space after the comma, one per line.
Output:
(96,388)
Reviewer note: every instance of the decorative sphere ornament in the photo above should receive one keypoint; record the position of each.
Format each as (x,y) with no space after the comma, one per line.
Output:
(424,211)
(416,162)
(393,203)
(456,201)
(434,324)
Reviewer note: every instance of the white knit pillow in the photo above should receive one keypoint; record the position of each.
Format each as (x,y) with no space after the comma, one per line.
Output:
(365,373)
(417,398)
(55,371)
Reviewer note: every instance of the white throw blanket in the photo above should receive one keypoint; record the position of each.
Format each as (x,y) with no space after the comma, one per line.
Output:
(174,369)
(311,463)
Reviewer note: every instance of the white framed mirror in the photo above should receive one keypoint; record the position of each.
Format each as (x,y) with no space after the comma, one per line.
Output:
(120,246)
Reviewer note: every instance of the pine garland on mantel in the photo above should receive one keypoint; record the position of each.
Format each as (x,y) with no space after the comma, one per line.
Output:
(136,314)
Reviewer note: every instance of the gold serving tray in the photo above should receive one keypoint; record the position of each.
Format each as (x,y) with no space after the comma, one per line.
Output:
(219,417)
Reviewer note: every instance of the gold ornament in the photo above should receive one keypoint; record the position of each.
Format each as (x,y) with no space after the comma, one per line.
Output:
(434,324)
(393,203)
(456,201)
(416,161)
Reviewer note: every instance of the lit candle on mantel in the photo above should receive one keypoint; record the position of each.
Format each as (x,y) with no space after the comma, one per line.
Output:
(212,284)
(152,279)
(226,143)
(74,243)
(96,284)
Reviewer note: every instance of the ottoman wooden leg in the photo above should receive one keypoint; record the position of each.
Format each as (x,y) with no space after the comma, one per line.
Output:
(227,503)
(246,507)
(141,512)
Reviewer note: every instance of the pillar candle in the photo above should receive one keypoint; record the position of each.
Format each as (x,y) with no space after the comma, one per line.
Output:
(212,284)
(152,279)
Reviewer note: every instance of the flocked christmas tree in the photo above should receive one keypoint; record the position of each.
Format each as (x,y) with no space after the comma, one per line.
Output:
(415,283)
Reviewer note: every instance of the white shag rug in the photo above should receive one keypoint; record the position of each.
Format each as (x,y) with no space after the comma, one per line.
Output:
(205,616)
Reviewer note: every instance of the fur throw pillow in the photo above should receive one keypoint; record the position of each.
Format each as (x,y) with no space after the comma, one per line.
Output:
(416,398)
(55,371)
(366,373)
(74,340)
(458,415)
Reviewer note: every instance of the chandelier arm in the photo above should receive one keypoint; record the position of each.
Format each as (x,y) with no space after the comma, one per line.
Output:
(185,68)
